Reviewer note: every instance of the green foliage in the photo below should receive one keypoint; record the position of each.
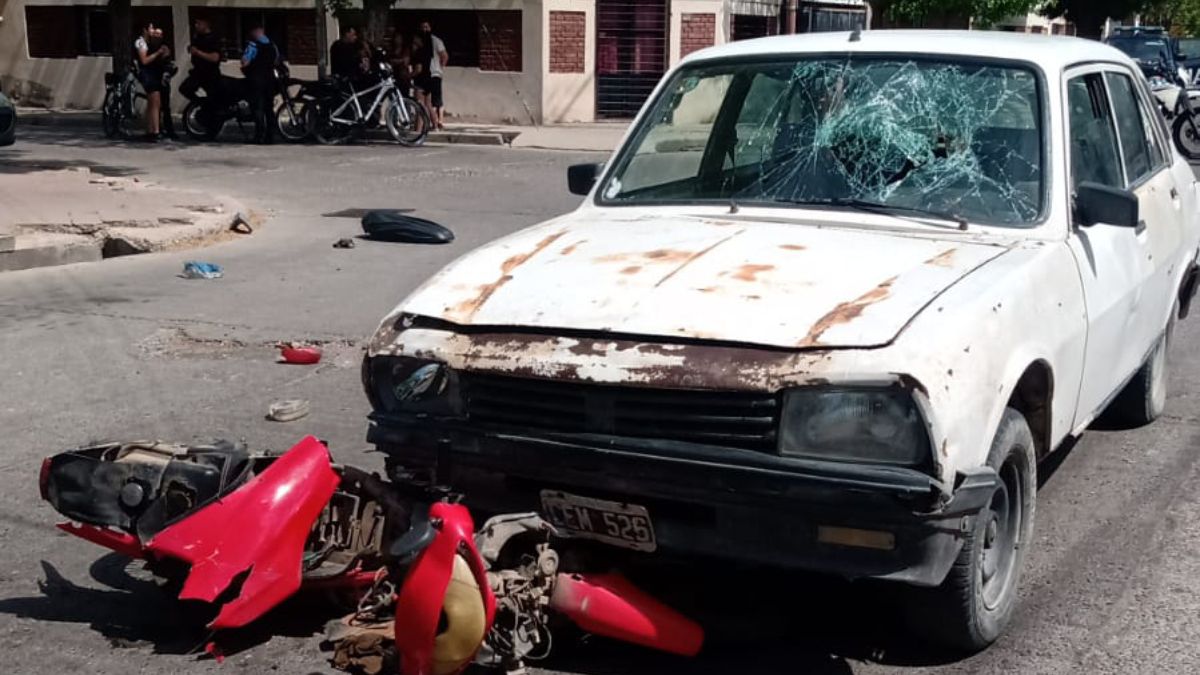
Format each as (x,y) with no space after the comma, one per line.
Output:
(984,12)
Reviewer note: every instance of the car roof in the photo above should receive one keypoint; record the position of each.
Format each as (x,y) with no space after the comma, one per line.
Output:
(1051,52)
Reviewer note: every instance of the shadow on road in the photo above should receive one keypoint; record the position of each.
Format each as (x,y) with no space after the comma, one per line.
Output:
(135,611)
(12,161)
(757,622)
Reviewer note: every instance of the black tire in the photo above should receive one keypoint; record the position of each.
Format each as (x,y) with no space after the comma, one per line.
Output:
(295,123)
(416,130)
(973,605)
(194,125)
(325,130)
(110,115)
(1144,399)
(1187,140)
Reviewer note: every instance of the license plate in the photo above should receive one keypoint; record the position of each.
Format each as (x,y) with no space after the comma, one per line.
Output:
(615,523)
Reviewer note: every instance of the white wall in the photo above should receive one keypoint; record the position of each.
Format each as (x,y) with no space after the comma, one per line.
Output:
(569,97)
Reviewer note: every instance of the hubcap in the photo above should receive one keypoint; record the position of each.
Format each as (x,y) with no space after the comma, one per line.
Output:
(1001,535)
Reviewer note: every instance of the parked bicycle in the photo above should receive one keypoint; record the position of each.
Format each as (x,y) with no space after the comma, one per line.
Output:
(341,111)
(295,114)
(124,110)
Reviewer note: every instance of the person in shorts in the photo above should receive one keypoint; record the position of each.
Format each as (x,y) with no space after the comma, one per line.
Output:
(431,59)
(152,56)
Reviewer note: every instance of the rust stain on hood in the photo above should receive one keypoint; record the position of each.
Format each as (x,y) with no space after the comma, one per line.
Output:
(751,272)
(847,312)
(943,259)
(467,308)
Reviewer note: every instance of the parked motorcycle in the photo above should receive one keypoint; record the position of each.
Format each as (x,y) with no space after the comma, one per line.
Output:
(243,531)
(1180,105)
(205,115)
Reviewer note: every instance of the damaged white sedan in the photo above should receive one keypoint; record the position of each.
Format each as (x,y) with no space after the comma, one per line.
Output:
(825,309)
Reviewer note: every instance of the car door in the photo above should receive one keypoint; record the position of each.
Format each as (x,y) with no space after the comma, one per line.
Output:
(1111,142)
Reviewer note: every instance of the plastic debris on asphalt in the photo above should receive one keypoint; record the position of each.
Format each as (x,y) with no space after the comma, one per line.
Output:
(288,411)
(344,243)
(202,270)
(392,225)
(299,355)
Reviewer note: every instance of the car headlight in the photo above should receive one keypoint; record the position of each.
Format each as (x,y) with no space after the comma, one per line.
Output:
(877,425)
(416,386)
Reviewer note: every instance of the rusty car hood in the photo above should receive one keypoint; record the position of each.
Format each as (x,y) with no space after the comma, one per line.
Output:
(776,284)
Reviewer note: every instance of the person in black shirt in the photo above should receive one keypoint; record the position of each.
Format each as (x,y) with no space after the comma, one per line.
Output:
(205,51)
(346,57)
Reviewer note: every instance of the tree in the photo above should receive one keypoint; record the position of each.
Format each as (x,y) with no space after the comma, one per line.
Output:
(120,23)
(1089,15)
(982,12)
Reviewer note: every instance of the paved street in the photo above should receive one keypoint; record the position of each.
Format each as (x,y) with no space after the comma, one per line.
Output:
(126,348)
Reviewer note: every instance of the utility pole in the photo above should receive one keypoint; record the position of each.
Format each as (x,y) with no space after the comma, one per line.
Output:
(322,41)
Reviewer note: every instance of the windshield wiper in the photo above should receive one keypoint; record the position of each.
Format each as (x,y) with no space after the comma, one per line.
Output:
(878,207)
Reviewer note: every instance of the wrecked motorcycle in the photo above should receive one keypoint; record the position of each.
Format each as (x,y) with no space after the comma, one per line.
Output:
(244,531)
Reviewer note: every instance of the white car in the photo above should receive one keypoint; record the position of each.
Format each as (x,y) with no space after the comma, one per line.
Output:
(826,308)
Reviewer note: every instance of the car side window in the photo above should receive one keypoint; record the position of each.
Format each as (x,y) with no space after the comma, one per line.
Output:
(1094,153)
(1138,145)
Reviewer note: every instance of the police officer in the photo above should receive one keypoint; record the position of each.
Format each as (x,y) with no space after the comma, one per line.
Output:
(205,51)
(258,65)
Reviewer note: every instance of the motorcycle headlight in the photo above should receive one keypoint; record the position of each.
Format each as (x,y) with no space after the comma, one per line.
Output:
(417,386)
(873,425)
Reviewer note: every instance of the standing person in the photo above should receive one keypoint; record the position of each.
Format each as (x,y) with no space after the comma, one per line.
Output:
(258,65)
(151,72)
(431,58)
(346,55)
(205,51)
(167,122)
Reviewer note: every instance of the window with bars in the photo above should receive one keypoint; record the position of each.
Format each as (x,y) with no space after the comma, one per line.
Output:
(65,31)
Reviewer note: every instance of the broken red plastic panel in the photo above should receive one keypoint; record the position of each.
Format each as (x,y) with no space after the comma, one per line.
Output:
(121,542)
(423,594)
(610,605)
(256,532)
(300,355)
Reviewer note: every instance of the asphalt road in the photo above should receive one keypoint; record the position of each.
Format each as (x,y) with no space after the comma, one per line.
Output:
(126,348)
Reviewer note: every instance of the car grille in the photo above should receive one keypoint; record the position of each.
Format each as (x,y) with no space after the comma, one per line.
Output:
(732,419)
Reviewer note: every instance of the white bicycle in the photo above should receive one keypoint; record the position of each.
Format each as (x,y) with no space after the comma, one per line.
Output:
(341,113)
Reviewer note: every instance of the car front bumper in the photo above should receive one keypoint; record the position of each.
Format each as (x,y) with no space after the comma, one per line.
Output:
(736,505)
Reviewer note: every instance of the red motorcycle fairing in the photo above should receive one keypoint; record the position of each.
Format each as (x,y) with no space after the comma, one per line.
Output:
(258,530)
(423,597)
(610,605)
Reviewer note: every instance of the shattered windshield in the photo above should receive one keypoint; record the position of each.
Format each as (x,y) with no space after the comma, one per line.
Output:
(951,137)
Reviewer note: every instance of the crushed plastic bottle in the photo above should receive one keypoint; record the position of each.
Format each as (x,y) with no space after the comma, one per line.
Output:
(202,270)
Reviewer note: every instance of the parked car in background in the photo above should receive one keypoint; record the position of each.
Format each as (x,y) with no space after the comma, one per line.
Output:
(8,120)
(826,309)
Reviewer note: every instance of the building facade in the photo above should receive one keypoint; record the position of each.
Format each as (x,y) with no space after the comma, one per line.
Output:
(511,61)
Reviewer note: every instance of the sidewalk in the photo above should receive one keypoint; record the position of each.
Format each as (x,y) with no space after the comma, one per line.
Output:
(593,137)
(57,217)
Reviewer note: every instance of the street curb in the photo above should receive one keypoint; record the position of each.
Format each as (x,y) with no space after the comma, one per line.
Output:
(115,242)
(83,119)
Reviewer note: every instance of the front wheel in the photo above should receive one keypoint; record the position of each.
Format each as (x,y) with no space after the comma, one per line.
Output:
(1186,133)
(294,121)
(197,123)
(408,121)
(110,114)
(973,605)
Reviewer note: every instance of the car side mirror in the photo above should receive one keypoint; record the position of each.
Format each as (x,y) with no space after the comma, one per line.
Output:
(581,177)
(1097,204)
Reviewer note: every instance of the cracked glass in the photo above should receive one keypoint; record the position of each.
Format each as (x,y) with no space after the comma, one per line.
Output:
(959,138)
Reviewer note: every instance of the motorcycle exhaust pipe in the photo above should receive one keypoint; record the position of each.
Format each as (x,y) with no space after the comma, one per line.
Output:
(610,605)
